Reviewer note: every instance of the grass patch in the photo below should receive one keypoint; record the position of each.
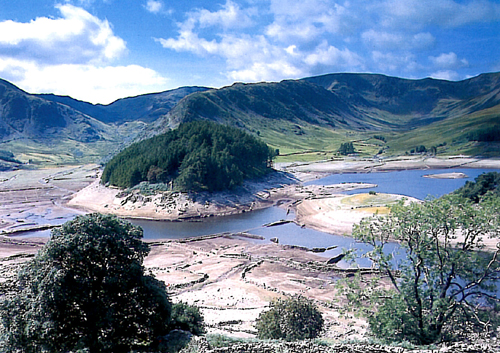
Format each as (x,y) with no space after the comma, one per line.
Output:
(366,200)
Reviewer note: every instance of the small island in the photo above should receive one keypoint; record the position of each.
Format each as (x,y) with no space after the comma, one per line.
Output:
(197,156)
(446,176)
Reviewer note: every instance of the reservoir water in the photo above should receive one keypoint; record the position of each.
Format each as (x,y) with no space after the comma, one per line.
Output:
(408,182)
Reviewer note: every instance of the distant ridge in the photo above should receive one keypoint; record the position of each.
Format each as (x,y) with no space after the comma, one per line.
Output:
(313,113)
(146,107)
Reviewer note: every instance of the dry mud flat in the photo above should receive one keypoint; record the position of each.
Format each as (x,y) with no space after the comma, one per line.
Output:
(35,199)
(230,278)
(357,165)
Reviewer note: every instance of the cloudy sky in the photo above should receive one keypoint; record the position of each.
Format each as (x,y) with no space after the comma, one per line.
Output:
(102,50)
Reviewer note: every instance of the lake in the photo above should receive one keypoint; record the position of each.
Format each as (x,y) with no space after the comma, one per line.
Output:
(408,182)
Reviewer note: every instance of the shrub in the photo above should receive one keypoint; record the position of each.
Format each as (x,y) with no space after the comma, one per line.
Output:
(295,318)
(187,318)
(86,290)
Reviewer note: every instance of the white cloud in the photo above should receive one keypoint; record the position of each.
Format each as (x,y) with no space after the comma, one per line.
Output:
(331,56)
(77,38)
(448,61)
(296,38)
(230,16)
(389,62)
(305,21)
(266,55)
(448,75)
(93,84)
(154,6)
(397,40)
(71,55)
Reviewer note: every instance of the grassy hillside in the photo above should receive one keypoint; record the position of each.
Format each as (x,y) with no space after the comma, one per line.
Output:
(310,118)
(305,119)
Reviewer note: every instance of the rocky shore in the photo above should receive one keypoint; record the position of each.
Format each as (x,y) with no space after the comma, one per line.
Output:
(201,346)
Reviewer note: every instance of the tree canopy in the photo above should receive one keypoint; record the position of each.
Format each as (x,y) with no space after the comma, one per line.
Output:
(294,318)
(444,282)
(483,184)
(86,289)
(196,156)
(346,148)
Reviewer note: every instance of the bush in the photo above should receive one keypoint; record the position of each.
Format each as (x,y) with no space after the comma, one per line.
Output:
(86,290)
(295,318)
(187,318)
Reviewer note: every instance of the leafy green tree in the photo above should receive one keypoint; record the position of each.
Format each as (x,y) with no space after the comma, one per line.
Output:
(295,318)
(187,318)
(86,290)
(444,283)
(197,156)
(483,184)
(346,148)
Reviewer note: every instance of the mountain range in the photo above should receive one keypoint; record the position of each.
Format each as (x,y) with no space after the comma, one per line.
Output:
(311,114)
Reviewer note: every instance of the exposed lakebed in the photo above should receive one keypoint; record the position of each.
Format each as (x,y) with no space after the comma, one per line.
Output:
(410,183)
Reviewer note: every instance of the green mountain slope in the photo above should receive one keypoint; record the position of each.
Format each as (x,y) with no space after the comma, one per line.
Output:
(414,102)
(301,118)
(43,131)
(319,113)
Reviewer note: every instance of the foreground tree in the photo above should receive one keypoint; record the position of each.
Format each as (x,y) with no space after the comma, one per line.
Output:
(443,282)
(295,318)
(86,289)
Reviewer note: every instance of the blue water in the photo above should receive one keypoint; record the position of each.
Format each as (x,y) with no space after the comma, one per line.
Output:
(409,183)
(406,182)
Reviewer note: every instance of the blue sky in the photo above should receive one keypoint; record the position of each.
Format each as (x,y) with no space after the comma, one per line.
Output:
(102,50)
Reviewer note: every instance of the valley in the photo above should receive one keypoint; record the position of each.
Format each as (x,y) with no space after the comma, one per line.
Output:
(54,149)
(226,275)
(306,120)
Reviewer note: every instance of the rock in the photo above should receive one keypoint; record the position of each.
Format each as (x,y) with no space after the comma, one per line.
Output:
(274,240)
(316,250)
(336,259)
